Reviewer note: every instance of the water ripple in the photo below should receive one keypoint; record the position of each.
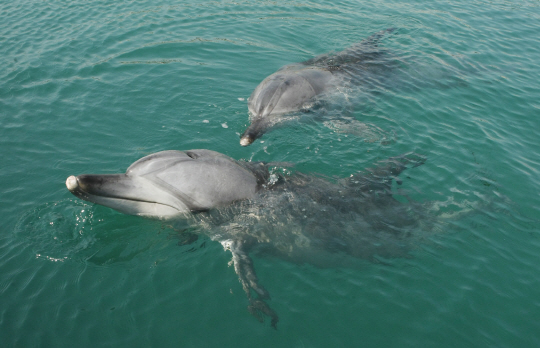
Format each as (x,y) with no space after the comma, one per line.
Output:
(93,86)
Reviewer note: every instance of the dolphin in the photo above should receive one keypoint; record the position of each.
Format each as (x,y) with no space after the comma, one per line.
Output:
(296,87)
(171,183)
(253,207)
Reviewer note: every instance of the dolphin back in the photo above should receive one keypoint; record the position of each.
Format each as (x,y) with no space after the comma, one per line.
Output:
(287,90)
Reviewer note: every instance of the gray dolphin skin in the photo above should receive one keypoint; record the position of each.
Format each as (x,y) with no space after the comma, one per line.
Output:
(170,183)
(296,86)
(263,209)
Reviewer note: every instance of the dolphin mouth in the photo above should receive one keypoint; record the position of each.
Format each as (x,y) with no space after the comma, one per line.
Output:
(71,183)
(254,131)
(123,204)
(246,140)
(78,189)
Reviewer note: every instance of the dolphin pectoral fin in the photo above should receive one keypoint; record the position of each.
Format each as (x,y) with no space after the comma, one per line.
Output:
(243,266)
(259,307)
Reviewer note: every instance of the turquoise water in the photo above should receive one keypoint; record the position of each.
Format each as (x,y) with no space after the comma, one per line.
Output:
(90,87)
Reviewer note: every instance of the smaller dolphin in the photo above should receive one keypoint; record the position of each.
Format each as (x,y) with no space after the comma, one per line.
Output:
(296,86)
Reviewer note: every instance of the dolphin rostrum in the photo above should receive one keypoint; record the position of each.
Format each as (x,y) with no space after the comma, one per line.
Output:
(252,207)
(295,87)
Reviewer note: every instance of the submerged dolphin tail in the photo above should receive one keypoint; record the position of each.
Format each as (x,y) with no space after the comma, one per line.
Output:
(373,40)
(379,179)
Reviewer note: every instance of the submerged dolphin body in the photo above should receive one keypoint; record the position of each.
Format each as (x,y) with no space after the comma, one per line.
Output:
(250,207)
(296,86)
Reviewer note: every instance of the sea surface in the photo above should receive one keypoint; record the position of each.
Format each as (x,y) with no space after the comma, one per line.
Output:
(92,86)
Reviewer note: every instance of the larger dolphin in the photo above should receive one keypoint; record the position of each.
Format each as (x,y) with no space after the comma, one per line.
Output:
(250,207)
(295,87)
(171,183)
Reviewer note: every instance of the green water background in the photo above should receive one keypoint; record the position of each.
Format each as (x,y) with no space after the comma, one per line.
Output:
(91,86)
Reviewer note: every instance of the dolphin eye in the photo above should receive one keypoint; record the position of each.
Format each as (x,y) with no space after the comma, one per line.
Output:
(192,154)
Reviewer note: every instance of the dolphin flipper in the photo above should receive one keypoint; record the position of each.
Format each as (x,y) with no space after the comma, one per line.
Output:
(243,266)
(256,307)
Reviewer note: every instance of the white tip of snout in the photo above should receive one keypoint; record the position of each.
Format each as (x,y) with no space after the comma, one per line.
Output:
(245,141)
(72,183)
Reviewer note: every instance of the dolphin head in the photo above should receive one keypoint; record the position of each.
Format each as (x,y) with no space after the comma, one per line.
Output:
(171,183)
(288,90)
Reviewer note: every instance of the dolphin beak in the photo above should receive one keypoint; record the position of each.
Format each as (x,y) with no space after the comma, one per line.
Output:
(246,140)
(72,183)
(129,195)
